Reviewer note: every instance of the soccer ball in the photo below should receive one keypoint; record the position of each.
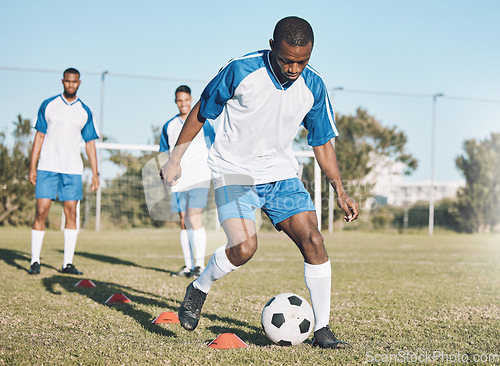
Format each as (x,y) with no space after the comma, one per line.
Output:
(287,319)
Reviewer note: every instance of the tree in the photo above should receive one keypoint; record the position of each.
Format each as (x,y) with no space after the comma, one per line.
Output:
(362,138)
(478,202)
(16,193)
(362,143)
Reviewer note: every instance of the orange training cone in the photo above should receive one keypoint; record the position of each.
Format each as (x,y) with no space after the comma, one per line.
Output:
(117,298)
(85,283)
(166,317)
(227,340)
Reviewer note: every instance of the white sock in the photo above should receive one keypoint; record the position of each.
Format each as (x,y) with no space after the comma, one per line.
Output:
(186,249)
(218,266)
(36,245)
(318,280)
(199,245)
(70,236)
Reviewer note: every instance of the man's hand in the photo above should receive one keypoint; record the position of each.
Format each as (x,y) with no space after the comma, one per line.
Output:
(170,173)
(350,207)
(95,182)
(32,176)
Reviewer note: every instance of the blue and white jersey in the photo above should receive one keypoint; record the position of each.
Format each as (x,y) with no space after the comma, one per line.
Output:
(195,170)
(64,125)
(260,118)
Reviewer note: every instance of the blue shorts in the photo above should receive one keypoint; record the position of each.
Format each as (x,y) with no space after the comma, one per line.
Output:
(194,198)
(64,187)
(279,200)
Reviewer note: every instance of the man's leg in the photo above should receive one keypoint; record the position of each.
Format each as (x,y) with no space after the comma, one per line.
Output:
(198,238)
(186,248)
(179,205)
(302,228)
(70,232)
(242,244)
(38,232)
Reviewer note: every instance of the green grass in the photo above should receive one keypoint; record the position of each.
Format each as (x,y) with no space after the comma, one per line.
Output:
(391,294)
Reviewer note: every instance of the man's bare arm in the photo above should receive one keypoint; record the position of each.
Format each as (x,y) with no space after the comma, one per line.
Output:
(327,160)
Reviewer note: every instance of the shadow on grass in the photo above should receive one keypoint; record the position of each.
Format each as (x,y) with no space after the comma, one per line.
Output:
(104,290)
(115,260)
(11,257)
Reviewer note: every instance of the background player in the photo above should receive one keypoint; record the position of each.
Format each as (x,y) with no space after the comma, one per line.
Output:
(62,121)
(189,197)
(263,98)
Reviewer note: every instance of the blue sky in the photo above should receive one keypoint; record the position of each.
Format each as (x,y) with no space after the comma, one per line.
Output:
(413,47)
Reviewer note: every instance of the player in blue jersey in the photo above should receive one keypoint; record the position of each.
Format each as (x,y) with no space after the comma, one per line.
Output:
(56,165)
(189,196)
(262,99)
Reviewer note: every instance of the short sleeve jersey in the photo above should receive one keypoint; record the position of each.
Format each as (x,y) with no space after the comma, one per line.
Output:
(195,170)
(64,125)
(260,118)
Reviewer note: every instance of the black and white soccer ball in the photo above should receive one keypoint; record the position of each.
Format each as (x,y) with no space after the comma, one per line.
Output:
(287,319)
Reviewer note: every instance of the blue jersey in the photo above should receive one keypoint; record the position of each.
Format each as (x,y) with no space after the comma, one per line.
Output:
(195,170)
(64,125)
(260,117)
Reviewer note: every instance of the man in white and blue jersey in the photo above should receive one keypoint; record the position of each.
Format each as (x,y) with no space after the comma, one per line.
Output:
(262,99)
(189,196)
(56,165)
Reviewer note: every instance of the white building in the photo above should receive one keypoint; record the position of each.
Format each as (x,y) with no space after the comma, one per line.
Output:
(387,177)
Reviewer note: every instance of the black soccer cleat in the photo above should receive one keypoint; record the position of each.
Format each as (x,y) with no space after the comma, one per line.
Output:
(325,338)
(196,272)
(190,310)
(34,269)
(71,269)
(184,272)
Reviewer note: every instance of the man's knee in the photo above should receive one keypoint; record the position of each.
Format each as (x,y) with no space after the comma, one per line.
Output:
(313,248)
(42,212)
(316,239)
(240,253)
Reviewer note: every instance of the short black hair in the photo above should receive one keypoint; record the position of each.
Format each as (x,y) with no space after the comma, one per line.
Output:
(71,70)
(183,89)
(295,31)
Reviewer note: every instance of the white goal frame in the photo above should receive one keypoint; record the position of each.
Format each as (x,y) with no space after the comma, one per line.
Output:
(152,148)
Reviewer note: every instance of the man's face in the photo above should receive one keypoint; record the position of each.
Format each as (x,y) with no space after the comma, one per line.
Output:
(183,101)
(288,61)
(71,82)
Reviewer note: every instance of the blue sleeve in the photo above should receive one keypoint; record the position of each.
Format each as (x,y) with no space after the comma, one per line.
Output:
(320,120)
(209,132)
(89,131)
(222,87)
(164,146)
(41,121)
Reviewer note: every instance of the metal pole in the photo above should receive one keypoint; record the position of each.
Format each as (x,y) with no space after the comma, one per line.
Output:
(331,201)
(99,157)
(433,143)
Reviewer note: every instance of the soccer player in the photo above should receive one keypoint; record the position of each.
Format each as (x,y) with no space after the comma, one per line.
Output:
(62,121)
(263,98)
(189,196)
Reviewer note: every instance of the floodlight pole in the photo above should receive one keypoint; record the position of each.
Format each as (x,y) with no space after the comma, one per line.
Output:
(331,201)
(433,143)
(99,157)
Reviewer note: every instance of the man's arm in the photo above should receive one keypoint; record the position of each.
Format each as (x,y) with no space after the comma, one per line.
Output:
(171,171)
(92,155)
(35,154)
(327,160)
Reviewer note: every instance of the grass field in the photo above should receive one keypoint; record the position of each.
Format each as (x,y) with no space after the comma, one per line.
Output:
(394,297)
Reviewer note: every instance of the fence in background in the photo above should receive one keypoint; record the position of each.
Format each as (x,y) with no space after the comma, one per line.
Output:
(130,110)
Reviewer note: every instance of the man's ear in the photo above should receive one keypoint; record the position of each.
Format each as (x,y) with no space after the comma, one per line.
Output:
(271,44)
